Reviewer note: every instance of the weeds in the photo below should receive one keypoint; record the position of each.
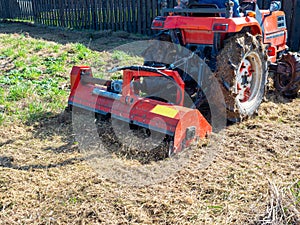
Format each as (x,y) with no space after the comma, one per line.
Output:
(282,207)
(36,85)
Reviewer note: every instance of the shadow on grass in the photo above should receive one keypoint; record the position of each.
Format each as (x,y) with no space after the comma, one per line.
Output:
(7,162)
(45,127)
(276,97)
(7,142)
(80,137)
(95,40)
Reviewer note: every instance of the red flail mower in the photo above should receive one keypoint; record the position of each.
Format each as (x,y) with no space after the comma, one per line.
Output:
(119,99)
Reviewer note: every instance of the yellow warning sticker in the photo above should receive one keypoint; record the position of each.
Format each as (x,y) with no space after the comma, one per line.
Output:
(164,111)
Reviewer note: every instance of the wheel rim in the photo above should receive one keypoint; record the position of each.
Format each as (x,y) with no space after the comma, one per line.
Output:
(248,80)
(244,78)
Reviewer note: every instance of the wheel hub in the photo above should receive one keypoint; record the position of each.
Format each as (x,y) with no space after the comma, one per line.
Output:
(244,78)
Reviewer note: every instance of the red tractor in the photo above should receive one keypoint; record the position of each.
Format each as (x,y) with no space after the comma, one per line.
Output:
(241,51)
(238,52)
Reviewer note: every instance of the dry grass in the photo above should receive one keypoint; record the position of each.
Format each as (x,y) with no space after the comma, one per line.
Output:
(282,208)
(45,179)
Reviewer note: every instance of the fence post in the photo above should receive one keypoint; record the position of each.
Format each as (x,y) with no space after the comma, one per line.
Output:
(36,11)
(61,13)
(94,10)
(294,27)
(5,9)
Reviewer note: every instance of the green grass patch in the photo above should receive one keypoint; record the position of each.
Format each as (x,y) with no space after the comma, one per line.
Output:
(2,97)
(35,83)
(18,92)
(295,189)
(8,52)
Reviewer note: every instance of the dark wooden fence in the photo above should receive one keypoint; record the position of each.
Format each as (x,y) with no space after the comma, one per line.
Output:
(129,15)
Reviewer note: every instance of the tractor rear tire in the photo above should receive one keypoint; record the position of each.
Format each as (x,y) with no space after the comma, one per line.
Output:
(287,78)
(242,73)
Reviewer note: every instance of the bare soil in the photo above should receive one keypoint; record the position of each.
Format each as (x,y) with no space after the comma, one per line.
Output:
(45,179)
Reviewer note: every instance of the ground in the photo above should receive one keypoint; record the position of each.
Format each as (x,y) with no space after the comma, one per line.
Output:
(46,179)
